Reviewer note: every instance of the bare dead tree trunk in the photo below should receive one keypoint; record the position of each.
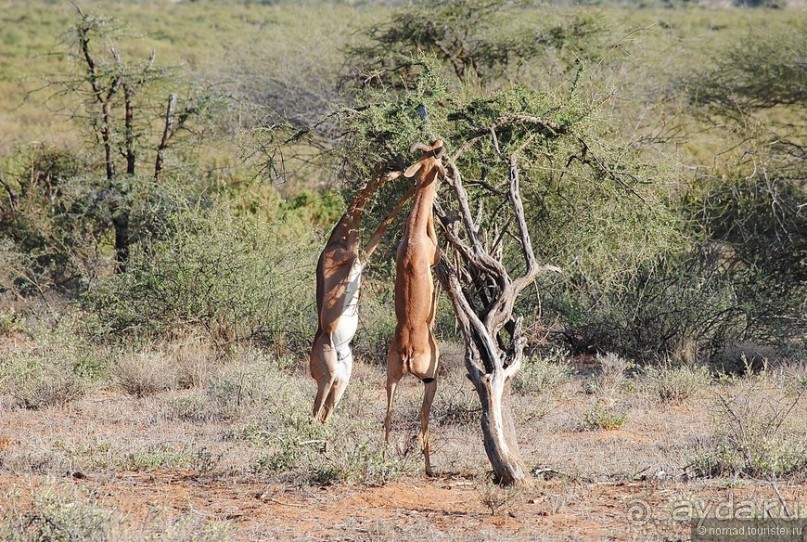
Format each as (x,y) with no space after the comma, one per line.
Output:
(128,130)
(491,378)
(483,295)
(173,123)
(168,133)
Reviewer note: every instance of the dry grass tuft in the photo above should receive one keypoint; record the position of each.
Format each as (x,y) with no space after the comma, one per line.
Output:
(37,381)
(754,435)
(194,359)
(144,373)
(611,375)
(677,384)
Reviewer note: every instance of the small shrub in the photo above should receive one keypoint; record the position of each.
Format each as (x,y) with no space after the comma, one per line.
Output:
(193,361)
(542,374)
(11,323)
(752,439)
(40,380)
(498,498)
(603,417)
(143,373)
(192,408)
(297,436)
(681,301)
(235,390)
(54,519)
(677,384)
(611,376)
(235,278)
(796,377)
(301,451)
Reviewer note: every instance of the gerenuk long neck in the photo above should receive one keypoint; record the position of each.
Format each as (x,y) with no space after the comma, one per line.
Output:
(347,229)
(422,206)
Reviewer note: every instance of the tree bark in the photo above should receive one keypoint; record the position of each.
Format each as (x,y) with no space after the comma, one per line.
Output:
(491,378)
(121,223)
(168,133)
(499,429)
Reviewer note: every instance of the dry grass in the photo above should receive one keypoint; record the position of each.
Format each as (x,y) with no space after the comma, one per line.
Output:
(144,373)
(677,384)
(181,410)
(755,433)
(611,375)
(249,424)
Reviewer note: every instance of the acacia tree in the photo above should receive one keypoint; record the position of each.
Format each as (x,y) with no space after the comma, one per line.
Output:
(462,35)
(521,166)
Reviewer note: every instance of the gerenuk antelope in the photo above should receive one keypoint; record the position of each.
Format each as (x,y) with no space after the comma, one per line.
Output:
(339,272)
(414,349)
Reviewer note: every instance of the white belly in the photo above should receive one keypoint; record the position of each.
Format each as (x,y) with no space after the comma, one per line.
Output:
(349,319)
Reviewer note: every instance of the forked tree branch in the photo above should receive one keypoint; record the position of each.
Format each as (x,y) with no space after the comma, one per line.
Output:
(168,133)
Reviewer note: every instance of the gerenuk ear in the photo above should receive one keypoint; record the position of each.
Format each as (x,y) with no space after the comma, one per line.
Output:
(413,169)
(420,147)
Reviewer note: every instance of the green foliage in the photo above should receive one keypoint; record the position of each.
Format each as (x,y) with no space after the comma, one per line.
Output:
(630,284)
(158,456)
(50,214)
(309,453)
(463,36)
(542,374)
(55,520)
(751,206)
(236,277)
(592,205)
(677,384)
(603,417)
(650,312)
(11,322)
(757,227)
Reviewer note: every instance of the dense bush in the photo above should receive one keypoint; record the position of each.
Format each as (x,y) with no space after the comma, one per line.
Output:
(751,204)
(463,36)
(237,277)
(653,312)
